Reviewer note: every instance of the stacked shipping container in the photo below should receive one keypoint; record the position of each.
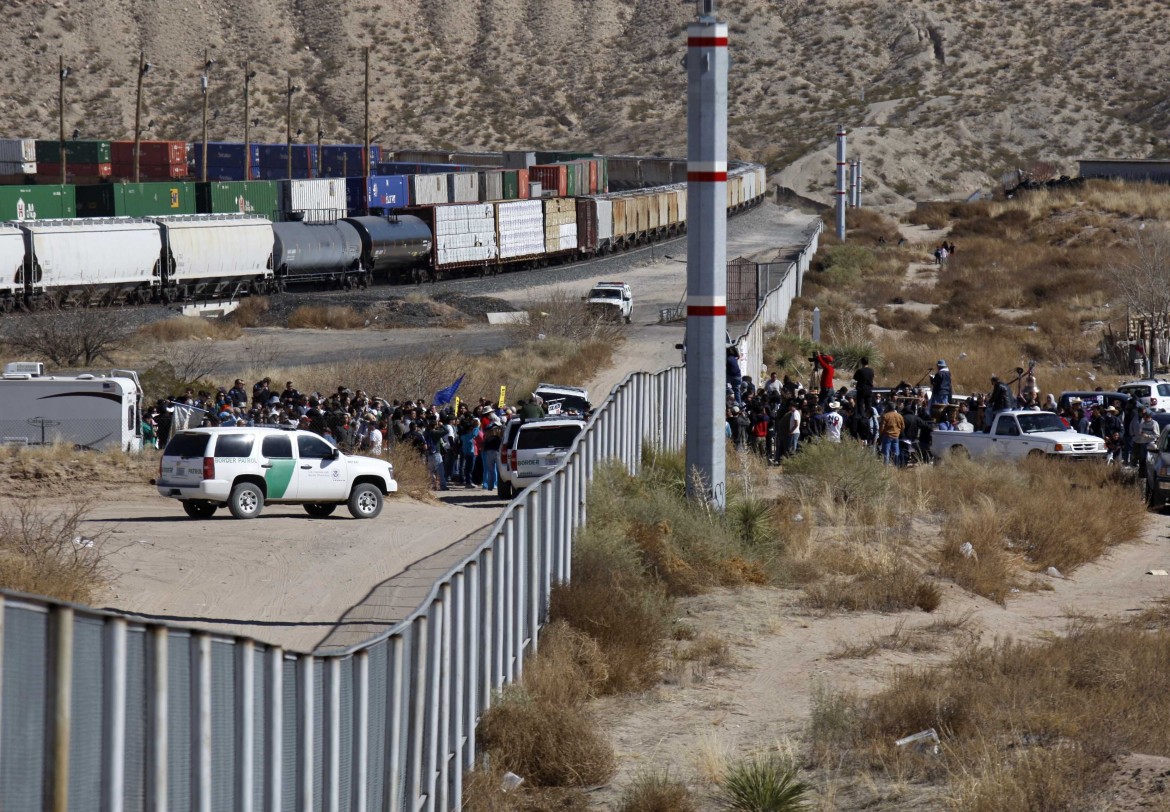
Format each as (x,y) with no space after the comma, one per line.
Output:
(135,199)
(321,201)
(560,224)
(37,202)
(158,160)
(465,234)
(18,156)
(84,159)
(520,225)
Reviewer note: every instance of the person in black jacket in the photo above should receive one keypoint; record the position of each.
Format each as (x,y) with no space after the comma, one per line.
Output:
(863,378)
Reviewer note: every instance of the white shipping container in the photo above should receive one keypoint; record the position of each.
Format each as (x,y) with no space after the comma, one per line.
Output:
(81,253)
(218,246)
(428,190)
(520,225)
(322,200)
(11,258)
(463,187)
(18,167)
(18,150)
(604,220)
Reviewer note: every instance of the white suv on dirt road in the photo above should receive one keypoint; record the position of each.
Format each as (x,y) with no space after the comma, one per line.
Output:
(533,448)
(245,469)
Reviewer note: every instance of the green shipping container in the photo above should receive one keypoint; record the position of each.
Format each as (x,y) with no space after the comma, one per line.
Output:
(239,197)
(602,174)
(511,185)
(37,202)
(135,199)
(76,152)
(572,185)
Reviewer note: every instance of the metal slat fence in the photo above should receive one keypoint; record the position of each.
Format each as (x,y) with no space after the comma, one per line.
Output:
(102,713)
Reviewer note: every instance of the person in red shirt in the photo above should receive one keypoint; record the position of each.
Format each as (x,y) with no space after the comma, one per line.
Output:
(824,363)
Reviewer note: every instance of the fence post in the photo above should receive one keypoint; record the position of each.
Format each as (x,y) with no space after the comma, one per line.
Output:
(331,736)
(394,768)
(561,506)
(62,693)
(156,754)
(304,714)
(441,742)
(274,735)
(547,517)
(433,693)
(114,745)
(509,581)
(535,567)
(245,733)
(519,591)
(488,625)
(201,725)
(361,732)
(460,686)
(473,631)
(417,713)
(499,610)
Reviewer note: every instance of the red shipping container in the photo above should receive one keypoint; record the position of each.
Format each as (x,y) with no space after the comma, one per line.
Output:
(592,176)
(171,153)
(586,224)
(551,177)
(151,171)
(522,180)
(87,170)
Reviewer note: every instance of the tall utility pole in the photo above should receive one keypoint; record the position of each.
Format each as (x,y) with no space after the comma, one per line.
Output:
(707,66)
(320,133)
(288,124)
(366,139)
(203,84)
(852,182)
(143,69)
(62,74)
(857,184)
(841,183)
(249,75)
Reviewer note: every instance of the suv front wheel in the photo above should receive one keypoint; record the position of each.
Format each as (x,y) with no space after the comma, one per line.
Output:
(365,501)
(246,501)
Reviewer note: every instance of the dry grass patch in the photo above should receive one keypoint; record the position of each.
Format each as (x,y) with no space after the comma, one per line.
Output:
(656,792)
(250,312)
(44,552)
(410,471)
(189,328)
(1024,726)
(40,467)
(326,317)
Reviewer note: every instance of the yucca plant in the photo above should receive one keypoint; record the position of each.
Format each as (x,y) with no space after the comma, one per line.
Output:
(764,784)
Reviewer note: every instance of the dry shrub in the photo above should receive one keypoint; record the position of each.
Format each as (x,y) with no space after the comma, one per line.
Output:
(326,317)
(548,744)
(627,615)
(252,311)
(891,587)
(570,667)
(562,314)
(936,215)
(43,551)
(900,318)
(663,562)
(656,792)
(987,567)
(871,226)
(410,471)
(707,649)
(188,328)
(36,468)
(1044,780)
(483,791)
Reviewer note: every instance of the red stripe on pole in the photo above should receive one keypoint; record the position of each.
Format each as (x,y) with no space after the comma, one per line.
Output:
(706,310)
(707,177)
(707,42)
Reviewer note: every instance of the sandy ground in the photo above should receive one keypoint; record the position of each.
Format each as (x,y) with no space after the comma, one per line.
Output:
(304,583)
(782,654)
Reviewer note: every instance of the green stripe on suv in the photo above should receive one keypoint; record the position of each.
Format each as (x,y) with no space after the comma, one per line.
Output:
(278,476)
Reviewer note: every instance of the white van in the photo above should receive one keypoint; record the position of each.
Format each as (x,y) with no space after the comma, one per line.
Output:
(245,469)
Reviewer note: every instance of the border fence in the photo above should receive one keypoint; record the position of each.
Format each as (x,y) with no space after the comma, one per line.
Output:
(99,712)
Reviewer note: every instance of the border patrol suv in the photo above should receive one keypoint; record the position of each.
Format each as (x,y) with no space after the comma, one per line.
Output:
(533,448)
(245,469)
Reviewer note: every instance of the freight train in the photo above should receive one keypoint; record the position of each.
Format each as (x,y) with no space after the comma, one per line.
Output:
(79,262)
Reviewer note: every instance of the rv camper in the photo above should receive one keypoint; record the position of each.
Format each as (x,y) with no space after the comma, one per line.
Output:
(87,411)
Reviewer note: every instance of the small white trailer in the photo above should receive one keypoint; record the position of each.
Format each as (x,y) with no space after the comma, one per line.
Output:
(87,411)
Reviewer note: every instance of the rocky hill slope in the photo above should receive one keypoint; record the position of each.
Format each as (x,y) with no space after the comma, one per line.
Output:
(941,96)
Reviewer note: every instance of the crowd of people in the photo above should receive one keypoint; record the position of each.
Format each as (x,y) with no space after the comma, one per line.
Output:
(460,441)
(775,418)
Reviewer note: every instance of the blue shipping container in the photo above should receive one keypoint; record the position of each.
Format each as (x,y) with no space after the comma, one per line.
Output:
(388,191)
(355,197)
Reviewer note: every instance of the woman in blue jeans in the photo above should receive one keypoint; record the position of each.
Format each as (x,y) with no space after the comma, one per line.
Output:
(491,454)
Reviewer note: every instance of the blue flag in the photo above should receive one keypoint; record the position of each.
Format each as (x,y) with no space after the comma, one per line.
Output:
(444,396)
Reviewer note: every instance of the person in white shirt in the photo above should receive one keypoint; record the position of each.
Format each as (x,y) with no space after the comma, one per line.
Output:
(375,438)
(833,421)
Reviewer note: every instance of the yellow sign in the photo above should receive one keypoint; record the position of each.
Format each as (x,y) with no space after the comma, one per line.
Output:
(503,396)
(456,404)
(174,198)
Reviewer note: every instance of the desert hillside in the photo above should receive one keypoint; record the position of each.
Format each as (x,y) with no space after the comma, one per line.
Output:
(942,96)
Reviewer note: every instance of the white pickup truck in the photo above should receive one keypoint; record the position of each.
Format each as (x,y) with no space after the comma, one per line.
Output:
(612,300)
(1021,433)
